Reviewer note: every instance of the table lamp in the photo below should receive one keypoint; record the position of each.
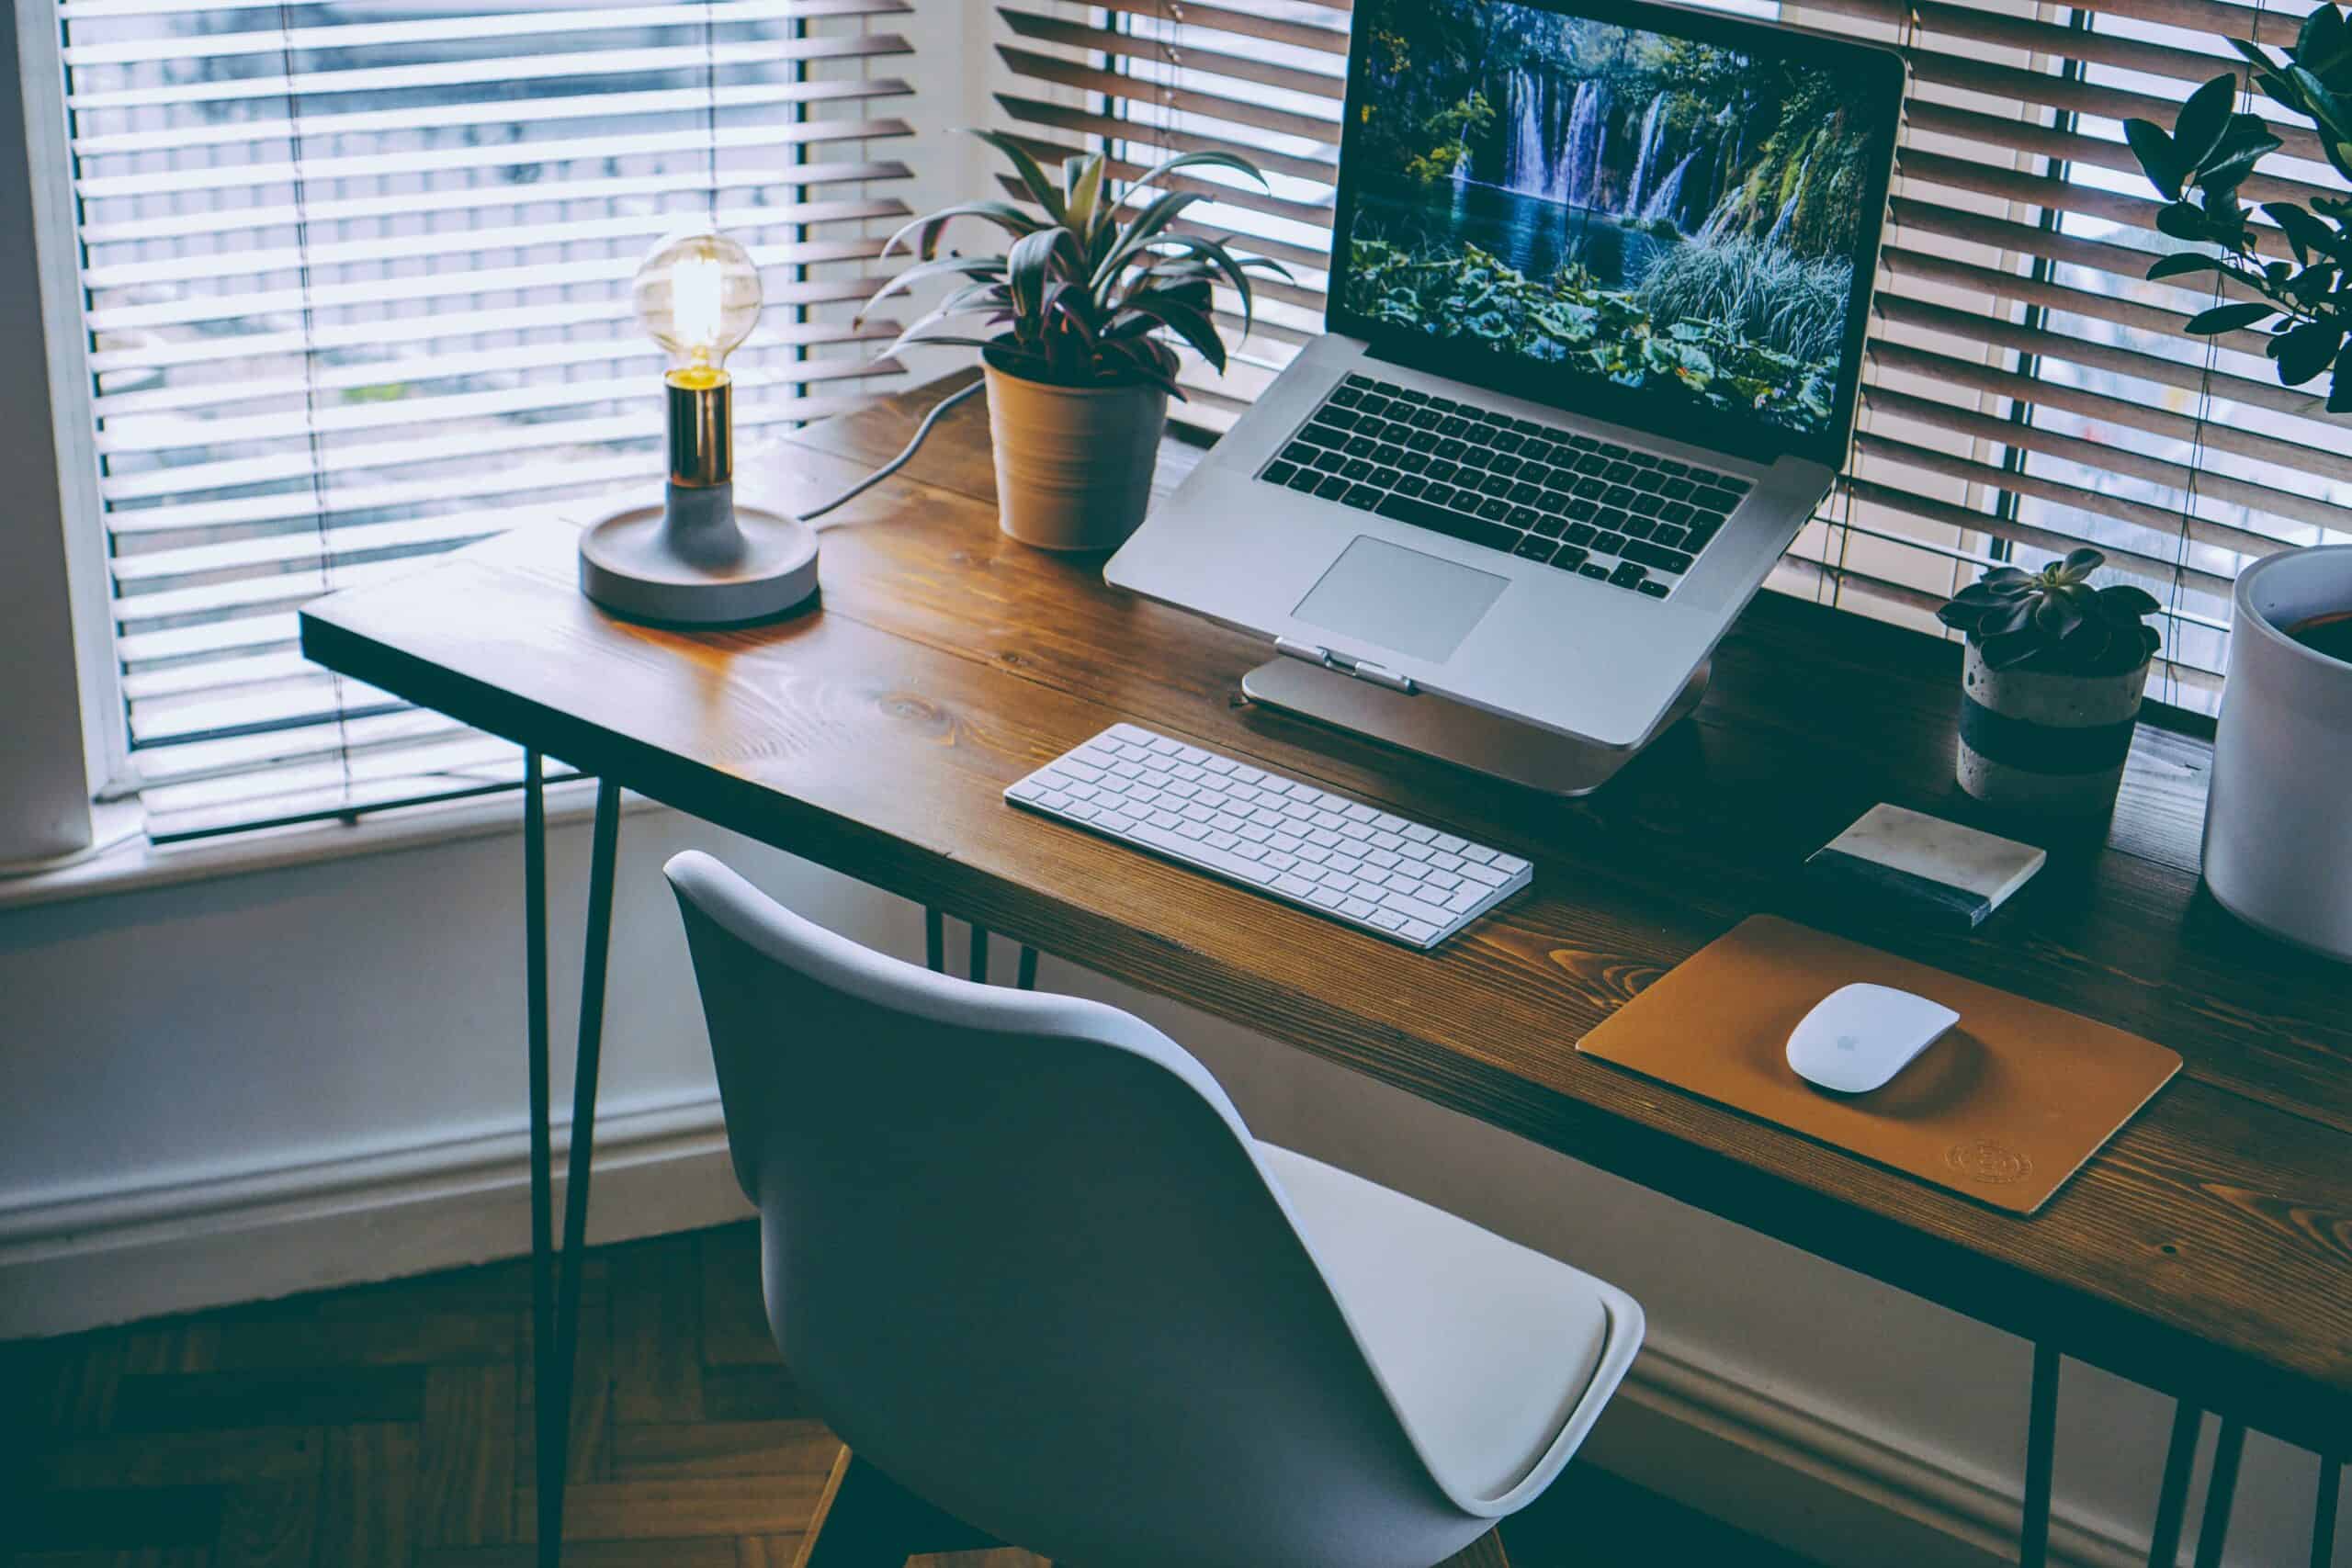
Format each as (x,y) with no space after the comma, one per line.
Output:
(698,559)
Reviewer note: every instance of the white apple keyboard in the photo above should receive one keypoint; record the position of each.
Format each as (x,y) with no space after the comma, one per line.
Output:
(1281,837)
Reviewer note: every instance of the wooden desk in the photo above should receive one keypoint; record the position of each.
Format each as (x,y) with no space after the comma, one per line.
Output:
(2207,1252)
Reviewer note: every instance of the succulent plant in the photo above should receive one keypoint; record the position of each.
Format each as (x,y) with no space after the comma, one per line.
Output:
(2054,619)
(1087,294)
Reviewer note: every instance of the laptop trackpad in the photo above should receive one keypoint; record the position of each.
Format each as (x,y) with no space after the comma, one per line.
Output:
(1385,594)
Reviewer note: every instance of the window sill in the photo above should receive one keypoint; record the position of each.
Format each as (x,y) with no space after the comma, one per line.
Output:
(139,866)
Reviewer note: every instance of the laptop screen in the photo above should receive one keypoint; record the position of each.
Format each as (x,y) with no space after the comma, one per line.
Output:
(1600,207)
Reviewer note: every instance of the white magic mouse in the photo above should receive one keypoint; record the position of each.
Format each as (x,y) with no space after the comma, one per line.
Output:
(1859,1036)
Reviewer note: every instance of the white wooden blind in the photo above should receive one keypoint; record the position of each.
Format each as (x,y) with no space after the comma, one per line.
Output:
(357,280)
(2026,389)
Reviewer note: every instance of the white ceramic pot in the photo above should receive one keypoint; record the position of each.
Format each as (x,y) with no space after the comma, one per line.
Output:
(1073,464)
(2278,816)
(2032,741)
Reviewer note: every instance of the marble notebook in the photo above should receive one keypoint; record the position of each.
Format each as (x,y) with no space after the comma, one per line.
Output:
(1935,868)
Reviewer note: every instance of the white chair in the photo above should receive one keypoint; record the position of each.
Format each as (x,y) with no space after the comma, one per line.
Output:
(1026,1260)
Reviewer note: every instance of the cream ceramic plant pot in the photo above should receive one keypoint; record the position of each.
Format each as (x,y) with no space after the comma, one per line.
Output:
(2032,741)
(2278,816)
(1073,464)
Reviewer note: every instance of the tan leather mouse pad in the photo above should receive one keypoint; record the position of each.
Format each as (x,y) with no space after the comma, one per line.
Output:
(2006,1106)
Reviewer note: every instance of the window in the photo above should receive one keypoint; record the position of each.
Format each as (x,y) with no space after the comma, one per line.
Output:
(2026,389)
(355,281)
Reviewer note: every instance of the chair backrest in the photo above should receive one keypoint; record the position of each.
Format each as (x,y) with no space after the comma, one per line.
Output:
(1021,1254)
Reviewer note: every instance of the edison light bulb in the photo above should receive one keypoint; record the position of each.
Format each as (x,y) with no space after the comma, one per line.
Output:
(698,296)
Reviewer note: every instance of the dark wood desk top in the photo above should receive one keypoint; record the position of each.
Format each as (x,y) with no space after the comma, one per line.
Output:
(2207,1251)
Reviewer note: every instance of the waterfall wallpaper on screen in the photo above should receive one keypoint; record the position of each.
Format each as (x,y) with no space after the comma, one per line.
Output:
(1665,213)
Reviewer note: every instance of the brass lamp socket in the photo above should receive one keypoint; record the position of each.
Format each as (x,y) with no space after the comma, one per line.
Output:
(701,427)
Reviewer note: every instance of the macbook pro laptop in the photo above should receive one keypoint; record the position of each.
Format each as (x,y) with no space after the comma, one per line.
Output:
(1600,279)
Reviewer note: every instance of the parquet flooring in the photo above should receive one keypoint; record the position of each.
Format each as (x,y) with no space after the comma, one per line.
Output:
(391,1426)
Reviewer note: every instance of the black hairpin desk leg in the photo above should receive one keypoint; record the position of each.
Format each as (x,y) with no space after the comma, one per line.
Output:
(2331,1473)
(2041,1451)
(2172,1498)
(554,1301)
(2220,1491)
(934,951)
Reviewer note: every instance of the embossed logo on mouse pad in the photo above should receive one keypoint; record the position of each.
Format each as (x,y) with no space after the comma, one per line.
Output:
(1988,1160)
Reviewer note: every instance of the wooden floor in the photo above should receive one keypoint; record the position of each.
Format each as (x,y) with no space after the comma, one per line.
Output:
(391,1425)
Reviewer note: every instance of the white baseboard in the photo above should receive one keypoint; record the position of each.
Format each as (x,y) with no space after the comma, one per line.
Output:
(1678,1427)
(85,1263)
(1813,1485)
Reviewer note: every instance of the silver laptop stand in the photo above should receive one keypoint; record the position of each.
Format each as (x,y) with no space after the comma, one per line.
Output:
(1452,732)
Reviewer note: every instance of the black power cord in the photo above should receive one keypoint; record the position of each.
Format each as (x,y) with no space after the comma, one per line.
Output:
(894,463)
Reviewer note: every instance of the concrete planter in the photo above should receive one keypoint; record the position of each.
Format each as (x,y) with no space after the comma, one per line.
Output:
(2031,740)
(2278,817)
(1073,464)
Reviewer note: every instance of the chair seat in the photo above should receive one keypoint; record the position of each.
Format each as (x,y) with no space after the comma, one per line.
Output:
(1486,1349)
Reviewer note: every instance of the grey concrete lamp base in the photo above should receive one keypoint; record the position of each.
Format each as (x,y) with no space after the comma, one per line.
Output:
(698,559)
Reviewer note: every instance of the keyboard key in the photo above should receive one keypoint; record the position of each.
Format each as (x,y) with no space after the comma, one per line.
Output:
(1582,533)
(1569,556)
(1593,569)
(1667,536)
(1627,576)
(1332,488)
(1356,468)
(1280,473)
(1533,548)
(1364,496)
(1299,452)
(1495,509)
(1611,543)
(1648,554)
(1655,589)
(1410,484)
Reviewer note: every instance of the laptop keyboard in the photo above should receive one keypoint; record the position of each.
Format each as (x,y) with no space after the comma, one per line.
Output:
(1599,509)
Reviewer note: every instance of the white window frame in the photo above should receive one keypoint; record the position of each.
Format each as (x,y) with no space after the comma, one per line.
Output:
(48,652)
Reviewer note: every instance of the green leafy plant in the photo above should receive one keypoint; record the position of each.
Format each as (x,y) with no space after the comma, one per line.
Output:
(1087,294)
(1769,294)
(1467,293)
(2199,166)
(2054,620)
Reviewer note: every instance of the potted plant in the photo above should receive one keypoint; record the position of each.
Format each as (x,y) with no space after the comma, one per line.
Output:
(1084,301)
(2050,689)
(2278,842)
